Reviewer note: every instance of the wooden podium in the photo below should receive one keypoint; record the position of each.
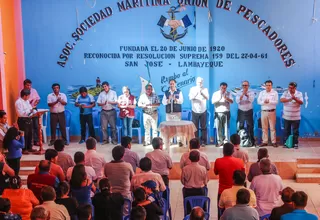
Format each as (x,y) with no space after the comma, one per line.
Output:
(39,114)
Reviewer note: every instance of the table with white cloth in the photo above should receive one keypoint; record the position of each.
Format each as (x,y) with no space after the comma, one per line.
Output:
(169,129)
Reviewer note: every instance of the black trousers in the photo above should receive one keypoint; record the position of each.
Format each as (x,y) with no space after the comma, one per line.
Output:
(202,118)
(14,164)
(248,117)
(192,192)
(56,118)
(165,179)
(295,124)
(35,126)
(220,210)
(86,120)
(25,124)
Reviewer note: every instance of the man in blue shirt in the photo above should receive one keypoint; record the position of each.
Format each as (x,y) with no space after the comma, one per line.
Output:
(299,200)
(85,102)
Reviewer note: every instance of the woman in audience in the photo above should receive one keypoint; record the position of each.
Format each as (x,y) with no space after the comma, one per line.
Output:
(5,173)
(138,213)
(22,200)
(107,205)
(5,208)
(14,142)
(153,210)
(81,186)
(63,199)
(84,212)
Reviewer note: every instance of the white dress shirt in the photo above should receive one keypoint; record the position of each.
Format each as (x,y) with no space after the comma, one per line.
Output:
(246,103)
(103,97)
(23,108)
(34,96)
(57,108)
(179,100)
(91,174)
(96,161)
(273,99)
(198,101)
(220,103)
(291,110)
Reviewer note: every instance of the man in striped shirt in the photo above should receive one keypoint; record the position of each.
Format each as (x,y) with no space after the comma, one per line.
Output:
(292,100)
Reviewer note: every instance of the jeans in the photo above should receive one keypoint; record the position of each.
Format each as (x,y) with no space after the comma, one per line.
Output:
(127,126)
(287,130)
(86,120)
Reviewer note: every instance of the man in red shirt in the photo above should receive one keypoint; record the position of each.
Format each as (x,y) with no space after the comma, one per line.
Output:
(224,167)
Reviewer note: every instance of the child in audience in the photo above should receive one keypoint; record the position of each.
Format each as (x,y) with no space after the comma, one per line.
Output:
(71,204)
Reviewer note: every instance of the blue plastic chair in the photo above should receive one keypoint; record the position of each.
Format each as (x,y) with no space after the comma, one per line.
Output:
(68,115)
(138,116)
(186,114)
(206,216)
(165,210)
(97,123)
(265,217)
(256,118)
(167,199)
(127,202)
(201,201)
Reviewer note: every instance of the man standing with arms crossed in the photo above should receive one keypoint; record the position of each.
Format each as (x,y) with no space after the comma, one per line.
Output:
(268,99)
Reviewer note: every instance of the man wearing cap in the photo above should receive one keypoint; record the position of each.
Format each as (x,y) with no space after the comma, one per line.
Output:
(199,96)
(149,103)
(107,99)
(292,100)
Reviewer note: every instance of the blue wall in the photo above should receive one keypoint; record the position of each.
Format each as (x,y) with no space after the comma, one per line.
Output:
(48,25)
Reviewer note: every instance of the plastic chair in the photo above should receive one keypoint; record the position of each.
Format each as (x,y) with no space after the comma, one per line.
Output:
(256,118)
(265,217)
(67,114)
(167,199)
(44,119)
(97,123)
(206,216)
(202,201)
(127,203)
(186,114)
(138,116)
(165,210)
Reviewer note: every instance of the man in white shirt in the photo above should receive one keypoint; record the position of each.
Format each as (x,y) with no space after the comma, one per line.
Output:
(149,103)
(93,158)
(292,100)
(107,99)
(172,100)
(57,101)
(268,99)
(3,128)
(199,96)
(24,111)
(244,99)
(222,100)
(34,100)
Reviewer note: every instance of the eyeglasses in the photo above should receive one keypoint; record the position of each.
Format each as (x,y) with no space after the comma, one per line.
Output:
(245,85)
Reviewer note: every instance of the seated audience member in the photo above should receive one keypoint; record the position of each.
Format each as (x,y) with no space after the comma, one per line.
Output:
(267,188)
(254,168)
(129,155)
(37,181)
(70,203)
(22,200)
(153,194)
(5,173)
(5,213)
(93,158)
(161,161)
(107,205)
(225,167)
(40,213)
(138,213)
(147,174)
(195,146)
(85,212)
(64,160)
(79,158)
(300,200)
(242,210)
(238,152)
(57,212)
(55,170)
(14,142)
(3,128)
(119,173)
(287,206)
(229,196)
(81,186)
(197,213)
(152,209)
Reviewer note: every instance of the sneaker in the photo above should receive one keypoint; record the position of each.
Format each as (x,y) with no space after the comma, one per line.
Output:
(284,146)
(51,143)
(275,145)
(66,143)
(114,142)
(145,143)
(180,144)
(263,145)
(105,142)
(81,141)
(203,145)
(296,147)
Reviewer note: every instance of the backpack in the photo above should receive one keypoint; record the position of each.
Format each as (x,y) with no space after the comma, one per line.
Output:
(244,138)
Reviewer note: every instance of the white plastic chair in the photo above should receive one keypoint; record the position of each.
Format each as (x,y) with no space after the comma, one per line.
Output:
(44,119)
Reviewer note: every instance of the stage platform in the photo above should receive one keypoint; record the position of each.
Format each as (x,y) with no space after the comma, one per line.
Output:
(285,159)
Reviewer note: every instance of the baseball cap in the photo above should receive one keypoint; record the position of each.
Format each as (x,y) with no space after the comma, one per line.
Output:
(150,184)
